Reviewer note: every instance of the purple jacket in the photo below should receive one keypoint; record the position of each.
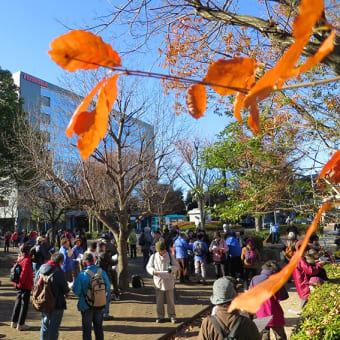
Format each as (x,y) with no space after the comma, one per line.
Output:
(272,305)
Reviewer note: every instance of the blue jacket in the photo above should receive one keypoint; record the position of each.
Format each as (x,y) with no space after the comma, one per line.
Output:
(68,263)
(81,285)
(182,247)
(234,246)
(205,247)
(76,251)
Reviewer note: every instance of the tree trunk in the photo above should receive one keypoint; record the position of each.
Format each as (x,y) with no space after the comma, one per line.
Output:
(258,223)
(123,271)
(200,203)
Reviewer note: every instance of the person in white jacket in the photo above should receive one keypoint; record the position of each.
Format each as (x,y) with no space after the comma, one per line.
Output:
(162,266)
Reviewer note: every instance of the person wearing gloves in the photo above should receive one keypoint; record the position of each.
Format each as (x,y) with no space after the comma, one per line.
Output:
(220,252)
(162,266)
(67,266)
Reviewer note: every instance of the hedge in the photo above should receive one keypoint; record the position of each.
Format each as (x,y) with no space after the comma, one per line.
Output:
(321,316)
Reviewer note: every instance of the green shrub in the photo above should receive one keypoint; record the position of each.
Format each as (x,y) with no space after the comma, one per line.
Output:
(321,316)
(94,235)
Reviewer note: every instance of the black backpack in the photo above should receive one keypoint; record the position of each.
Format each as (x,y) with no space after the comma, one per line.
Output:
(232,334)
(199,249)
(137,281)
(15,272)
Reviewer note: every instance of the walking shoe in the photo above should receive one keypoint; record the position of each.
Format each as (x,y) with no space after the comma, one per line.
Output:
(23,327)
(116,298)
(108,318)
(173,320)
(159,320)
(13,324)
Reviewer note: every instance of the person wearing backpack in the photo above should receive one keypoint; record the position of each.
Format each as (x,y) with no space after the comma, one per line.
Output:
(162,266)
(222,324)
(41,254)
(50,321)
(234,253)
(91,286)
(272,305)
(23,287)
(200,249)
(145,241)
(251,259)
(219,249)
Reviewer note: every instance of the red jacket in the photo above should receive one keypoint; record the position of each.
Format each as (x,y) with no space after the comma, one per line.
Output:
(26,275)
(301,274)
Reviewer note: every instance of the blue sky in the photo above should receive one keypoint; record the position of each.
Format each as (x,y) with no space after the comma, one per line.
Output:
(28,26)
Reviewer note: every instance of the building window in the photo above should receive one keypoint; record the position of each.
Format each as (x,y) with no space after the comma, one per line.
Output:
(45,118)
(45,101)
(4,203)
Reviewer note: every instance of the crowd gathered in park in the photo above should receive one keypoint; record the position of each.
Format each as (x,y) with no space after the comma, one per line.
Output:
(50,267)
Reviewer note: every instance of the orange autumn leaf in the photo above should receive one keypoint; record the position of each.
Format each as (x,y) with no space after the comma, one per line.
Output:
(254,119)
(233,73)
(326,48)
(91,126)
(78,49)
(310,12)
(332,169)
(238,106)
(252,300)
(197,100)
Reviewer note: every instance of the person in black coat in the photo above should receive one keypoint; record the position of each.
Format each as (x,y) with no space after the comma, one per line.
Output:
(50,322)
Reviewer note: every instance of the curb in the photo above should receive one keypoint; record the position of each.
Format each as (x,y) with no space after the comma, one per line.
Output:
(173,332)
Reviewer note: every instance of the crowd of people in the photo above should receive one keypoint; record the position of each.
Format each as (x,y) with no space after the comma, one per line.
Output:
(70,262)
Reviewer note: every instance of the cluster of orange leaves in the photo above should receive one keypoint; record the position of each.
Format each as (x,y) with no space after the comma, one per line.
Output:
(83,50)
(240,72)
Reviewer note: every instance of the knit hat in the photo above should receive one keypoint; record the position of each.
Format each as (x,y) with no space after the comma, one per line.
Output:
(291,235)
(160,246)
(223,291)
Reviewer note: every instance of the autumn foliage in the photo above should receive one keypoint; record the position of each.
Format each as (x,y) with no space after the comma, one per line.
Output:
(236,76)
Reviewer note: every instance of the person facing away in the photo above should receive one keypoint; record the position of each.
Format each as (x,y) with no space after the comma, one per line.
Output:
(181,250)
(50,322)
(23,289)
(271,306)
(274,232)
(235,264)
(227,323)
(159,263)
(41,253)
(90,315)
(201,250)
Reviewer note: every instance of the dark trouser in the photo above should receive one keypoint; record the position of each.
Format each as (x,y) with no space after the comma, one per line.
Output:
(219,269)
(21,306)
(133,251)
(279,333)
(6,249)
(68,276)
(113,276)
(146,256)
(50,324)
(182,269)
(235,266)
(94,316)
(275,238)
(249,273)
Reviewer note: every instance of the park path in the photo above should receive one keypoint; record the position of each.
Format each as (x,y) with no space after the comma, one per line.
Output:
(134,314)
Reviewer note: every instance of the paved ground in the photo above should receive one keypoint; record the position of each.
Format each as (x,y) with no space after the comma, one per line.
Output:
(134,314)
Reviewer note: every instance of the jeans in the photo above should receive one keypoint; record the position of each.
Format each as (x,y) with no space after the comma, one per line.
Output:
(201,269)
(94,316)
(50,324)
(107,306)
(21,306)
(133,251)
(275,238)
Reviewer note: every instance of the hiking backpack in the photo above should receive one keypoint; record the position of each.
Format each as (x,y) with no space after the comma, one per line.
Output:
(199,249)
(96,293)
(137,281)
(232,334)
(15,272)
(251,256)
(43,299)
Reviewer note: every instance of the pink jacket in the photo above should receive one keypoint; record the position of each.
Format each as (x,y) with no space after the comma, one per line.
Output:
(301,274)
